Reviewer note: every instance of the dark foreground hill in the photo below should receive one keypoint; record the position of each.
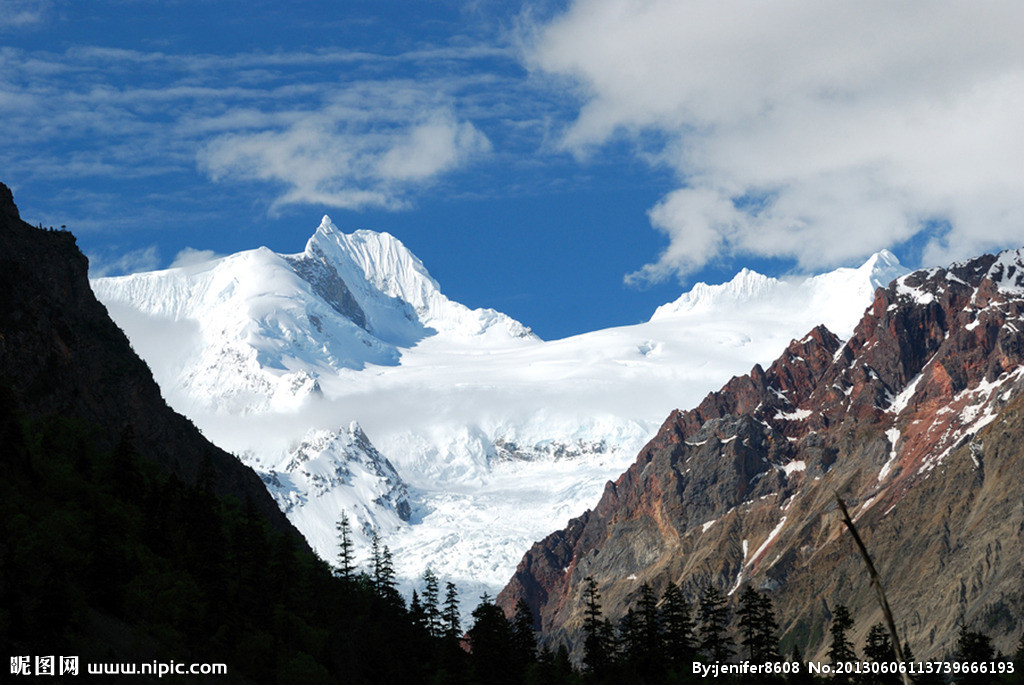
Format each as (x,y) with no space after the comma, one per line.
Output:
(126,537)
(917,422)
(61,355)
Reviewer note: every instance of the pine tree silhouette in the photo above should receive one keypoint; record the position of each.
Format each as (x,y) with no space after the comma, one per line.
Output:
(677,626)
(974,646)
(595,644)
(878,648)
(346,563)
(431,603)
(524,640)
(713,621)
(450,614)
(491,648)
(841,649)
(758,626)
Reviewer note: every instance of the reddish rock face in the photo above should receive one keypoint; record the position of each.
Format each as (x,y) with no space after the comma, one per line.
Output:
(915,421)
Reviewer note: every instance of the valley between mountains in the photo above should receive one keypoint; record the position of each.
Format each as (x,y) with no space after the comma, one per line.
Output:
(346,378)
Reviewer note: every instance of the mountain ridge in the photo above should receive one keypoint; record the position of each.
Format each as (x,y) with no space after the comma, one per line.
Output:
(480,424)
(923,398)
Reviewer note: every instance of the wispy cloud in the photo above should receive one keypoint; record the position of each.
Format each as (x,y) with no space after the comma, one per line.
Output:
(373,134)
(806,130)
(190,256)
(349,157)
(20,13)
(145,259)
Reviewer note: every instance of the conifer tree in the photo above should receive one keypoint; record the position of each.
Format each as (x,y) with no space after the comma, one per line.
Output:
(450,615)
(562,667)
(758,625)
(490,641)
(878,648)
(841,649)
(747,614)
(346,563)
(713,620)
(376,562)
(631,638)
(641,637)
(610,641)
(524,640)
(595,647)
(677,626)
(974,646)
(801,675)
(649,621)
(769,629)
(416,613)
(431,603)
(388,585)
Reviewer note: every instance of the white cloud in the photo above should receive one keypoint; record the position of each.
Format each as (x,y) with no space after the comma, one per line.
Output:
(817,131)
(348,157)
(333,127)
(431,148)
(19,13)
(143,259)
(190,256)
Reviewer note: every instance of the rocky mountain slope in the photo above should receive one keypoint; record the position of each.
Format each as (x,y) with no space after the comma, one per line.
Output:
(915,421)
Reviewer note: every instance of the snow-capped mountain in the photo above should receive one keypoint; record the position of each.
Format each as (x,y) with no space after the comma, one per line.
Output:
(835,295)
(332,471)
(265,326)
(496,436)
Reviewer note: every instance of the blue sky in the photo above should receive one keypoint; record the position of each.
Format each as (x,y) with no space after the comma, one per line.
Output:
(572,164)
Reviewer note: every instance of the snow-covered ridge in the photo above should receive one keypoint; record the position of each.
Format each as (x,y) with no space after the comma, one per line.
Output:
(1008,271)
(839,296)
(484,438)
(268,326)
(380,265)
(330,472)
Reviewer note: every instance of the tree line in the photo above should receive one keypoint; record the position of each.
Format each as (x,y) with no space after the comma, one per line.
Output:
(495,649)
(659,639)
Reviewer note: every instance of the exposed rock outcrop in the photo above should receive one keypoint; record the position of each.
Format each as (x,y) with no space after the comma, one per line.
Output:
(916,421)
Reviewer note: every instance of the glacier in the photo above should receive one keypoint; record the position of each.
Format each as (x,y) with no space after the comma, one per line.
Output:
(350,382)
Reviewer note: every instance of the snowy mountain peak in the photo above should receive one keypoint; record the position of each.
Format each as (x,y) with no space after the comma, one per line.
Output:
(263,327)
(1008,271)
(749,290)
(330,471)
(384,261)
(882,268)
(383,272)
(326,226)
